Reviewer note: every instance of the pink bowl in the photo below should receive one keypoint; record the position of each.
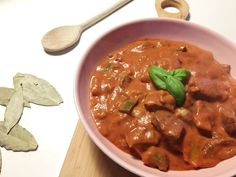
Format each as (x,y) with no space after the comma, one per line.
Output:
(223,50)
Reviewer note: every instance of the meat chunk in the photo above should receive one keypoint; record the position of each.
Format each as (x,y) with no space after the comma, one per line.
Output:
(226,68)
(230,125)
(142,135)
(145,46)
(125,78)
(208,89)
(159,100)
(138,149)
(202,152)
(223,148)
(192,144)
(182,49)
(168,124)
(189,100)
(168,61)
(144,77)
(203,115)
(156,157)
(229,121)
(139,111)
(135,94)
(99,111)
(100,87)
(94,86)
(143,74)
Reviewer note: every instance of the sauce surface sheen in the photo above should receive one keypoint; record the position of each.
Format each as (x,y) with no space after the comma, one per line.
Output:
(140,119)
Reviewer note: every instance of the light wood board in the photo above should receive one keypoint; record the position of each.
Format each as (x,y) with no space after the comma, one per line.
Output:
(84,159)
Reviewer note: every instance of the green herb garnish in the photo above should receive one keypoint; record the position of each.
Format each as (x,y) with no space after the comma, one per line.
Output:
(127,105)
(172,81)
(179,73)
(107,67)
(194,153)
(161,160)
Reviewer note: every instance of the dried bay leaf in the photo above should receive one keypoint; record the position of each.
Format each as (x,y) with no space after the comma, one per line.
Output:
(18,139)
(14,110)
(27,88)
(17,80)
(37,90)
(6,94)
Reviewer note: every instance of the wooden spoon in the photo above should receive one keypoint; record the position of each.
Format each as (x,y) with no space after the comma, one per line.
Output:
(64,37)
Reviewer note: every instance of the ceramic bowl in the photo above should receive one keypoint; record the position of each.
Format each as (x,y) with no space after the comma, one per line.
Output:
(224,51)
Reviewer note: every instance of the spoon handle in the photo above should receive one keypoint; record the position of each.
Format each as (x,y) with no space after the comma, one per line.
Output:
(104,14)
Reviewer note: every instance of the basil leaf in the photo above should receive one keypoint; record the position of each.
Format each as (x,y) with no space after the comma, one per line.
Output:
(176,88)
(159,71)
(159,83)
(170,81)
(180,73)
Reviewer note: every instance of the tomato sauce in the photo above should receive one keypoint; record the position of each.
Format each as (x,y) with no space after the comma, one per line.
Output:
(145,121)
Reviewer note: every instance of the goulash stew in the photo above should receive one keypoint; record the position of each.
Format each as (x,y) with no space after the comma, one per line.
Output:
(168,103)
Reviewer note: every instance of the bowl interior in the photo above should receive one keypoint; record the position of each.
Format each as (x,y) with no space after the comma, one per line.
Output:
(223,50)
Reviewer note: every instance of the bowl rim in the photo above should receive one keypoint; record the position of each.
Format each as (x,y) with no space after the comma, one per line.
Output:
(81,62)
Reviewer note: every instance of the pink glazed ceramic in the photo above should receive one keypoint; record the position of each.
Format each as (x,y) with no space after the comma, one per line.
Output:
(223,50)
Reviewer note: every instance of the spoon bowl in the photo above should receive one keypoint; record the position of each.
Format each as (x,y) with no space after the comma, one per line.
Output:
(61,38)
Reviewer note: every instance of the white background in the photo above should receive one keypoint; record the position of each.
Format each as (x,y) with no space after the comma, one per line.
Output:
(22,25)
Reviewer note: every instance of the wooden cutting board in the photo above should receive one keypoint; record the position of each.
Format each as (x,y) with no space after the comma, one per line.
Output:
(84,159)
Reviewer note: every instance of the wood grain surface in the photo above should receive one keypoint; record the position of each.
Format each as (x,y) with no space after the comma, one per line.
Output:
(85,159)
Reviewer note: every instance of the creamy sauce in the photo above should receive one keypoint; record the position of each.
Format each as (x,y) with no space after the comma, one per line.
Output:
(146,122)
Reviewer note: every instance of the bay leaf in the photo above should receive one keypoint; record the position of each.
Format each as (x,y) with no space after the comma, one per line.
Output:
(14,110)
(6,94)
(37,90)
(17,80)
(18,139)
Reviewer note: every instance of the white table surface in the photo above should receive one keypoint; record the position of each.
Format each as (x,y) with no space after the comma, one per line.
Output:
(24,22)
